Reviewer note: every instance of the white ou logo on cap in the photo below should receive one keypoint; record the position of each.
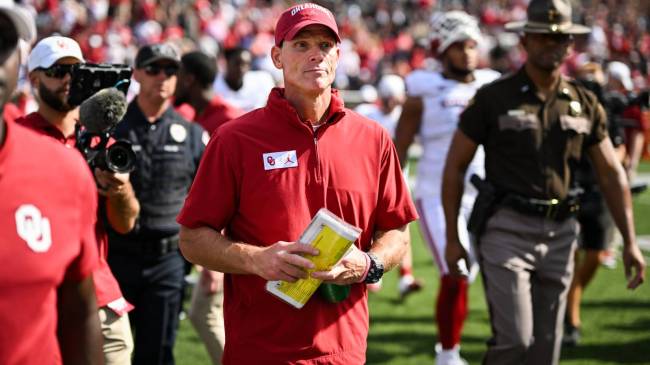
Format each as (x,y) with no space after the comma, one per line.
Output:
(178,132)
(33,228)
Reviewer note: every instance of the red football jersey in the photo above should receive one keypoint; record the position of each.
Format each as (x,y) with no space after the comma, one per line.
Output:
(47,227)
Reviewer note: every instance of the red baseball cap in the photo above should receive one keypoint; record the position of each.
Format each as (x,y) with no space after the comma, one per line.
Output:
(299,16)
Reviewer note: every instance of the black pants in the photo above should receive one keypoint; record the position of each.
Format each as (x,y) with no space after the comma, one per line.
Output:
(153,285)
(595,221)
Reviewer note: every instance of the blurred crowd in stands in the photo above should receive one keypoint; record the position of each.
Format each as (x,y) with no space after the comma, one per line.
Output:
(379,37)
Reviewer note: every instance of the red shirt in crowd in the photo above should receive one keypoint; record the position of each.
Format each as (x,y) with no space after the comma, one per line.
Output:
(107,288)
(47,217)
(216,113)
(262,178)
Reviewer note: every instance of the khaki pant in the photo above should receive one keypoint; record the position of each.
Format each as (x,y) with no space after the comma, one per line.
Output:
(527,264)
(118,340)
(206,315)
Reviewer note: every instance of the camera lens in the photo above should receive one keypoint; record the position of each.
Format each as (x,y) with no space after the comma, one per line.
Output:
(120,157)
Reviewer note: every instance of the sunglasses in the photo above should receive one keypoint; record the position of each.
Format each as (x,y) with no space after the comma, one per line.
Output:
(154,70)
(58,71)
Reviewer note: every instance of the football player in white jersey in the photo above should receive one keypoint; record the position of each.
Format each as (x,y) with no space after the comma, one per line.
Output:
(435,101)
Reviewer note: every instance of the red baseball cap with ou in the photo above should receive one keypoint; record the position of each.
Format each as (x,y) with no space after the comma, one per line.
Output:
(299,16)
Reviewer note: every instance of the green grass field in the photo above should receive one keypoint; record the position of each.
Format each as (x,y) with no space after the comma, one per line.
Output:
(616,321)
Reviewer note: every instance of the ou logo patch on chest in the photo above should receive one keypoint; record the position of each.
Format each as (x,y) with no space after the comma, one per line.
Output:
(280,160)
(32,227)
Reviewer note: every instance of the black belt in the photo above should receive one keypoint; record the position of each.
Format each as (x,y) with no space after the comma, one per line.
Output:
(554,209)
(145,247)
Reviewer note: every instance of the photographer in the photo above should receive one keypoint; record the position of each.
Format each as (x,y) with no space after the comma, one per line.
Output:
(50,68)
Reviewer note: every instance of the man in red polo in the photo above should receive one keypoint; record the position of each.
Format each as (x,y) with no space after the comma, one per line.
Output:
(195,78)
(264,176)
(50,66)
(48,312)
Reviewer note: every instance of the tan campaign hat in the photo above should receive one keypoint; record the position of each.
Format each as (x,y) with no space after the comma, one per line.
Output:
(548,16)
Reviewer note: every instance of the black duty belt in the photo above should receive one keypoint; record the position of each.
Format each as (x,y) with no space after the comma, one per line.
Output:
(146,247)
(554,209)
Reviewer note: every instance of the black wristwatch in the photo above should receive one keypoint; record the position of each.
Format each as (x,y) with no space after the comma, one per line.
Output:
(376,270)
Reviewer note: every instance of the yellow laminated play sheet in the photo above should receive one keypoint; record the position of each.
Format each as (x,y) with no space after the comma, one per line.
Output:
(333,237)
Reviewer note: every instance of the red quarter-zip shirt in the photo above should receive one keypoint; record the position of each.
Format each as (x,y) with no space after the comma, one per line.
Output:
(249,184)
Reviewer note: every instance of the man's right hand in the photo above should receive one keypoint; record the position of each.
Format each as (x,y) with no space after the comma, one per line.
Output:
(456,257)
(634,265)
(284,261)
(112,183)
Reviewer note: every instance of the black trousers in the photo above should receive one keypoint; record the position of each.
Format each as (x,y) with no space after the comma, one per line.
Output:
(153,284)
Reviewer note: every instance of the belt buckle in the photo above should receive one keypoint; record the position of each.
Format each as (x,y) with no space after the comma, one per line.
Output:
(552,209)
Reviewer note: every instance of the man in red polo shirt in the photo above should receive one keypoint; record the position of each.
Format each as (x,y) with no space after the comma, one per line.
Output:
(264,176)
(50,64)
(194,86)
(48,252)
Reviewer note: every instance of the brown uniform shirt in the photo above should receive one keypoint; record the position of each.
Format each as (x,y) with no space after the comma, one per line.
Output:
(531,146)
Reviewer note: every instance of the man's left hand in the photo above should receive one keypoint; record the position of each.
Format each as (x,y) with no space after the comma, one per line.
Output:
(348,271)
(111,183)
(634,266)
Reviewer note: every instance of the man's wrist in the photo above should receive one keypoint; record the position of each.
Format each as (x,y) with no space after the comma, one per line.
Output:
(453,241)
(628,241)
(365,271)
(123,193)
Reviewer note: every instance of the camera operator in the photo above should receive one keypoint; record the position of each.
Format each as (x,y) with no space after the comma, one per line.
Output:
(147,262)
(50,68)
(48,312)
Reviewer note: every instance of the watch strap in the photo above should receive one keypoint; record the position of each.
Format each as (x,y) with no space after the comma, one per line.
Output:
(376,270)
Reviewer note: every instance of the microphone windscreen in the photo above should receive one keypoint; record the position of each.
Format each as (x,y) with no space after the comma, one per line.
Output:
(103,110)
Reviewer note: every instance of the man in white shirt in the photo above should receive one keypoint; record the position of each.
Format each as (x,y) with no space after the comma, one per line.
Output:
(435,101)
(241,86)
